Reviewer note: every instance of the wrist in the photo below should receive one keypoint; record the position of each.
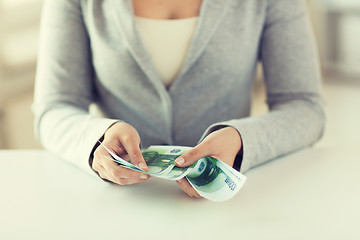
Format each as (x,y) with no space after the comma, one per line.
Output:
(91,158)
(239,146)
(236,138)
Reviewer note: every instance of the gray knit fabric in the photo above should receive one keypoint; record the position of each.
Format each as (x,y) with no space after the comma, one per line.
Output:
(91,53)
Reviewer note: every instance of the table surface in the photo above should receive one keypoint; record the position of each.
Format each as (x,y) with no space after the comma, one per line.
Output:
(311,194)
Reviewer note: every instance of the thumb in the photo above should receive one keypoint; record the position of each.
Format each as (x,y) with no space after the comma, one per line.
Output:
(192,156)
(134,152)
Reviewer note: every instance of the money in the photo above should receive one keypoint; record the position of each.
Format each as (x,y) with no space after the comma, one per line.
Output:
(215,180)
(162,159)
(211,178)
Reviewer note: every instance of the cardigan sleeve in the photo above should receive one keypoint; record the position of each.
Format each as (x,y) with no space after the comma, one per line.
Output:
(64,85)
(293,86)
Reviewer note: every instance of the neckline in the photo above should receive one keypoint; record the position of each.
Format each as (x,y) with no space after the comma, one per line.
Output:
(211,14)
(167,20)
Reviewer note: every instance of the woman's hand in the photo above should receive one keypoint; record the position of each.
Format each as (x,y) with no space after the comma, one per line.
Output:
(223,144)
(124,140)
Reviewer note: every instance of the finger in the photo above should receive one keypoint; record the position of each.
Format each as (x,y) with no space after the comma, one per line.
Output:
(193,155)
(121,181)
(133,150)
(120,172)
(115,170)
(187,188)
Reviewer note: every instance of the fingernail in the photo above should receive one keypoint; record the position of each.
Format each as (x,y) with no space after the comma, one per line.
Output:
(179,161)
(143,177)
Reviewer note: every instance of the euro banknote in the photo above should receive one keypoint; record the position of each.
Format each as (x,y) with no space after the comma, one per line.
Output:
(211,178)
(215,180)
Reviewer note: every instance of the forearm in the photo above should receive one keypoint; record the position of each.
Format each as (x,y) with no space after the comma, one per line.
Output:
(286,128)
(70,132)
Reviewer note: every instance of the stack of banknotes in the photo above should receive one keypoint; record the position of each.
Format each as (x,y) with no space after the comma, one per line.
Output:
(211,178)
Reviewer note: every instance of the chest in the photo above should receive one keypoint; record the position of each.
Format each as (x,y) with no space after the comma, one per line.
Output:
(167,9)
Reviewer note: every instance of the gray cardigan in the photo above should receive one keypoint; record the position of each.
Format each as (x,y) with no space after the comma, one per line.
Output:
(91,53)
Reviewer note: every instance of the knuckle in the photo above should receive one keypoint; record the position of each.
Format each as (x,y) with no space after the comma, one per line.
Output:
(97,154)
(127,137)
(95,166)
(102,175)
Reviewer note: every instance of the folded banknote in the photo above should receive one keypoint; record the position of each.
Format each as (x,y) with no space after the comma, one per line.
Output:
(211,178)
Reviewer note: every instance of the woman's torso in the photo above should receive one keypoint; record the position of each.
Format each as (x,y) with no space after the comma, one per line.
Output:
(213,84)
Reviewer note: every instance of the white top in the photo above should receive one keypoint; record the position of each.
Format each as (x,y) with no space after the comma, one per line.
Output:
(167,42)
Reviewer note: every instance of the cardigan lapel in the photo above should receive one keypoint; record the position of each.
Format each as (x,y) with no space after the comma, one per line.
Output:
(211,14)
(123,14)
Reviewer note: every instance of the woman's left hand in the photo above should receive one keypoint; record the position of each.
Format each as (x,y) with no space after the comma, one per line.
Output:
(223,144)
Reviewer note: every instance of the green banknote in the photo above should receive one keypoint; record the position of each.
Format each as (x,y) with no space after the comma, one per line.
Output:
(160,160)
(211,178)
(215,180)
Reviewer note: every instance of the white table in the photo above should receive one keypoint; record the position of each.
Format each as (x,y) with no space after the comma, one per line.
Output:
(312,194)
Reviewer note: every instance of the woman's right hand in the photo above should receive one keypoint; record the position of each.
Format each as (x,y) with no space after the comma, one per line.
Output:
(123,140)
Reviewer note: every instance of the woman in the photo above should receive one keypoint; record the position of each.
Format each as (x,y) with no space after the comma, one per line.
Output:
(193,92)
